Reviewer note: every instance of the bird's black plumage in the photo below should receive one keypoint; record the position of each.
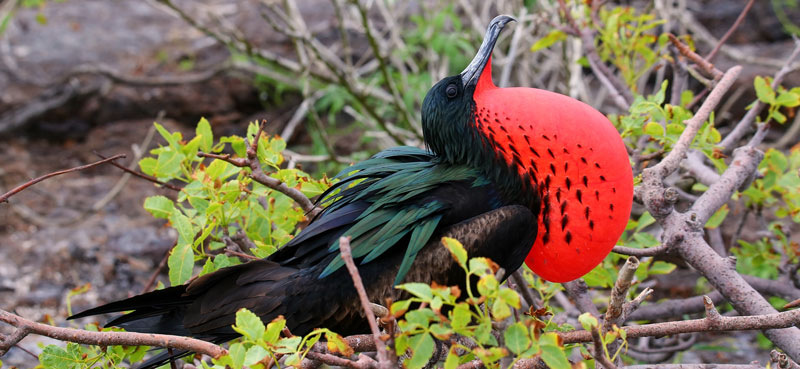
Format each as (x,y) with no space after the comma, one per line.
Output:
(396,206)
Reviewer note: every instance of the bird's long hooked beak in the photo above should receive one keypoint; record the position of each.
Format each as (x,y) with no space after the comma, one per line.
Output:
(472,73)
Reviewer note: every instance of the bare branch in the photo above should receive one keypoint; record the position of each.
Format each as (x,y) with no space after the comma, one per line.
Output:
(347,256)
(650,251)
(722,324)
(619,292)
(142,175)
(728,34)
(25,326)
(704,64)
(599,353)
(22,187)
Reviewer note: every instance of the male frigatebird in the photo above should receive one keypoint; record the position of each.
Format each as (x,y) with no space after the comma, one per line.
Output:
(511,172)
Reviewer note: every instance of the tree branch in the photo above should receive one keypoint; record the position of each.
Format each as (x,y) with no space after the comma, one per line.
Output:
(712,323)
(25,327)
(22,187)
(347,256)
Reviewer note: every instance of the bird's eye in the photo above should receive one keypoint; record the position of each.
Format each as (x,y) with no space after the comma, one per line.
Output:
(451,91)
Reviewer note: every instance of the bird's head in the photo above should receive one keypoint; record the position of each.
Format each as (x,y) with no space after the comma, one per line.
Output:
(563,150)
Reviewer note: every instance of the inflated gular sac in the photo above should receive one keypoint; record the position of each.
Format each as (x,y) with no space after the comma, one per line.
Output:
(580,167)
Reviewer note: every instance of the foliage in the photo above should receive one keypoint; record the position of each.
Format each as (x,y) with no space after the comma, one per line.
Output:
(75,356)
(626,39)
(219,199)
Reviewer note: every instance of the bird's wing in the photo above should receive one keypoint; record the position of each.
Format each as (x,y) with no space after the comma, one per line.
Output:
(397,198)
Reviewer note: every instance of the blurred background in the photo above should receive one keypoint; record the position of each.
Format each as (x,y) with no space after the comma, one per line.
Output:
(337,79)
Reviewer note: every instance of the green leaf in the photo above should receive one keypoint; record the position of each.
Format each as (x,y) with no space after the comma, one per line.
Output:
(460,316)
(441,332)
(588,321)
(183,225)
(421,346)
(171,138)
(548,40)
(715,220)
(274,329)
(452,359)
(148,165)
(249,324)
(57,358)
(180,263)
(337,345)
(552,353)
(254,355)
(653,129)
(237,354)
(159,206)
(510,297)
(420,290)
(500,310)
(661,267)
(764,91)
(457,250)
(517,338)
(203,130)
(788,99)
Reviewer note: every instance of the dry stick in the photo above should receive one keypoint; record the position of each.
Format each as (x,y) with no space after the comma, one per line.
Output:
(579,291)
(782,361)
(142,175)
(397,101)
(619,292)
(15,190)
(363,362)
(728,34)
(678,307)
(704,64)
(522,287)
(99,204)
(347,257)
(599,353)
(650,251)
(159,268)
(713,323)
(695,366)
(25,327)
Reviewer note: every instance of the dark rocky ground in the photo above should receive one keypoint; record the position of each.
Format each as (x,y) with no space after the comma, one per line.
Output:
(51,240)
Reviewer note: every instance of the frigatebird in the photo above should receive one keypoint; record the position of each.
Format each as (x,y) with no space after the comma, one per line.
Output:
(516,174)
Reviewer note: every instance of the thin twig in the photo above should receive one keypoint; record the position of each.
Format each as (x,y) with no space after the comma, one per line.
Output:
(15,190)
(142,175)
(347,257)
(599,353)
(704,64)
(733,28)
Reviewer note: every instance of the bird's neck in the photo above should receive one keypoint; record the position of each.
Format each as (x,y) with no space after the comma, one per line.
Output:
(478,150)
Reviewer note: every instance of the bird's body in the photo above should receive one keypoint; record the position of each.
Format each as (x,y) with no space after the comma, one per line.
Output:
(507,170)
